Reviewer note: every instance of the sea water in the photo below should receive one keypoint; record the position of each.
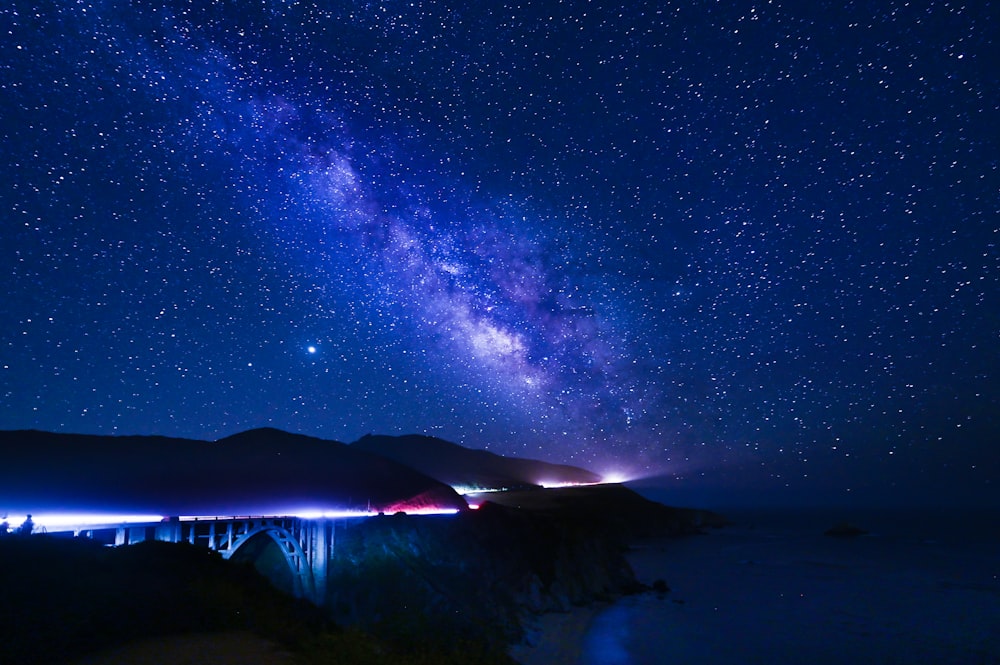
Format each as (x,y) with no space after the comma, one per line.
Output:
(920,587)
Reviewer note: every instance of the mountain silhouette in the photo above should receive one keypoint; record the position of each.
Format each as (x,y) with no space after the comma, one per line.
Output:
(260,471)
(458,466)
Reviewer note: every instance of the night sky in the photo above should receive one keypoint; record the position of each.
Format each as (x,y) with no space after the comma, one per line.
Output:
(748,247)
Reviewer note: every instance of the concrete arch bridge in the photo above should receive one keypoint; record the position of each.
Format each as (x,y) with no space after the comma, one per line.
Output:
(293,552)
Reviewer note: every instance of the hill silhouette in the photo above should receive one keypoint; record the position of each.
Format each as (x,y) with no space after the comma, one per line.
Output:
(261,471)
(458,466)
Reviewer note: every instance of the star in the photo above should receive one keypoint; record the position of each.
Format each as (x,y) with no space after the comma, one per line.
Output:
(672,241)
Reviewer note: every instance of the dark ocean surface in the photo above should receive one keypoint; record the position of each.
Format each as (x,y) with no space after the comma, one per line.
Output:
(922,586)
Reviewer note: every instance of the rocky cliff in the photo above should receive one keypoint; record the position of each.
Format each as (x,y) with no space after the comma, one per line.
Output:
(479,574)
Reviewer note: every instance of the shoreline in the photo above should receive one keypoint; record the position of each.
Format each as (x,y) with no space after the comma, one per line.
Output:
(785,593)
(556,638)
(559,638)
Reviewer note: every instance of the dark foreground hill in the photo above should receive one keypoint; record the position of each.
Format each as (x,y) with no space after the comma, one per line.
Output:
(61,599)
(69,601)
(262,471)
(458,466)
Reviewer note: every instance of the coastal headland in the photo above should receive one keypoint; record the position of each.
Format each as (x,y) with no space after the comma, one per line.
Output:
(459,588)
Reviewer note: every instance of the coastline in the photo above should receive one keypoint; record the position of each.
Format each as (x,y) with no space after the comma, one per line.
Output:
(556,638)
(559,638)
(783,592)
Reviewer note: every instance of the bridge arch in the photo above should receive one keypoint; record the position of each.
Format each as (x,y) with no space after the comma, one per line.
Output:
(260,543)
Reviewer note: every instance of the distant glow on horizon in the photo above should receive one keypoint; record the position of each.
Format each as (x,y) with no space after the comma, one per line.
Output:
(56,522)
(615,478)
(465,490)
(610,478)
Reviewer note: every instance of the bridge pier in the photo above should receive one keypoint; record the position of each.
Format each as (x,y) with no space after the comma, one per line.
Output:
(169,531)
(130,535)
(318,537)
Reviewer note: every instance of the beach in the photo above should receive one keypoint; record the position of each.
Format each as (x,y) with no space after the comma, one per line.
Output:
(780,591)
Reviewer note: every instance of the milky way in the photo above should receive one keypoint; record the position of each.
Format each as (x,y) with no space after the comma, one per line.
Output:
(748,247)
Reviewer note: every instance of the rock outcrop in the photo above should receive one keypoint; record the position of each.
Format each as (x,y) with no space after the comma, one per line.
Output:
(845,530)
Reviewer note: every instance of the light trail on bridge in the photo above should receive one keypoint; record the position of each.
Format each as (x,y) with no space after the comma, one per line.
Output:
(58,522)
(63,522)
(322,514)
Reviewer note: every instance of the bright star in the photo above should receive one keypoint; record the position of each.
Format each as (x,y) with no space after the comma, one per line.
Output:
(311,349)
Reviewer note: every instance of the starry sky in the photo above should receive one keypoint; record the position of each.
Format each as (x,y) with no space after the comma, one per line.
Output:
(747,247)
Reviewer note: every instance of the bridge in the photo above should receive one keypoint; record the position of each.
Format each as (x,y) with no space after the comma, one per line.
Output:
(306,542)
(307,545)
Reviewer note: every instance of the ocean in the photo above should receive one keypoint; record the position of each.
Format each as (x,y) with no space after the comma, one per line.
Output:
(920,587)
